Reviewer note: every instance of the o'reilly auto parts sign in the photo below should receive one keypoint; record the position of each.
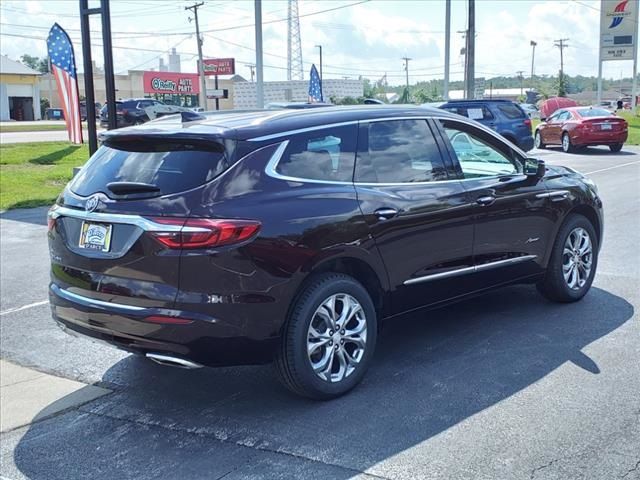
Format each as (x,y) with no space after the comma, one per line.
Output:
(171,82)
(618,29)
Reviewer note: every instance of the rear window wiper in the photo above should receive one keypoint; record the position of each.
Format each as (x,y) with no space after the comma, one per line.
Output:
(125,188)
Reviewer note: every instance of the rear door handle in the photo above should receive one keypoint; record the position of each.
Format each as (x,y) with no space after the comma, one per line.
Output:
(485,201)
(385,213)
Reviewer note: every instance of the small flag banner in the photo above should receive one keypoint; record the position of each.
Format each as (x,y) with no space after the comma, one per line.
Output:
(315,86)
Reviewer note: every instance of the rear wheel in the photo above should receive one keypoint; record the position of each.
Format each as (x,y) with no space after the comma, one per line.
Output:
(538,140)
(616,147)
(573,261)
(566,143)
(329,340)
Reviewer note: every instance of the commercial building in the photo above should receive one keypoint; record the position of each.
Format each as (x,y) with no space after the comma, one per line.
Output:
(19,91)
(183,89)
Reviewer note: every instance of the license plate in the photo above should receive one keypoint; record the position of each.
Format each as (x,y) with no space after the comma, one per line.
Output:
(605,126)
(95,236)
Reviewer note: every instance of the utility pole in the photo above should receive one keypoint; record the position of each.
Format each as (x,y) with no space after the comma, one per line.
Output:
(561,44)
(253,71)
(470,54)
(447,48)
(259,65)
(520,72)
(320,48)
(203,85)
(406,70)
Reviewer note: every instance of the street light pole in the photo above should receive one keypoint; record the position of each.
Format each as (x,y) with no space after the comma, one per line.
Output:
(321,92)
(203,85)
(447,48)
(406,69)
(533,57)
(259,65)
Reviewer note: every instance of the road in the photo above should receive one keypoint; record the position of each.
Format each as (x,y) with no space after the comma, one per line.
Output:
(505,386)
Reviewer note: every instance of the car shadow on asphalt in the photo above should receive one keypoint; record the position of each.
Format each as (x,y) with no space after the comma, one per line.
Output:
(596,151)
(432,371)
(35,216)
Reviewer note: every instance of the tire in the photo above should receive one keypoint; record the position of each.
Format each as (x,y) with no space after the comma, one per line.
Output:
(335,375)
(615,148)
(554,286)
(566,143)
(537,141)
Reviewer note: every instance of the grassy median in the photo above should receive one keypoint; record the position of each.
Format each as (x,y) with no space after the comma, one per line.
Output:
(33,174)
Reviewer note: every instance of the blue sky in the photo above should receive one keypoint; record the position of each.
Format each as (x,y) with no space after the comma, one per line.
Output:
(366,39)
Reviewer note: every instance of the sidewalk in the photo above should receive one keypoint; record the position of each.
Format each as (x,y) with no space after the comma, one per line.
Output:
(28,396)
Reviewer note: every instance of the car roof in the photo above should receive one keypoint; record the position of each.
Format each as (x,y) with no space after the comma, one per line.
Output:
(485,100)
(245,125)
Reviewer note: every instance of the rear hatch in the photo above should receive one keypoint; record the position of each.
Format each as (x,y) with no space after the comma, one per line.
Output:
(114,234)
(515,119)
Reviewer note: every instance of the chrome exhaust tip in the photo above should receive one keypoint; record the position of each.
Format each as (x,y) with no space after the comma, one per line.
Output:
(169,361)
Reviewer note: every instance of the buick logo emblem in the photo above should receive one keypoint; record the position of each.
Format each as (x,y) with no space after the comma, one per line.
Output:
(92,203)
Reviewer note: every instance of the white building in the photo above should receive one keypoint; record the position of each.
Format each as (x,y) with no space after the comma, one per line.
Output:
(19,91)
(293,91)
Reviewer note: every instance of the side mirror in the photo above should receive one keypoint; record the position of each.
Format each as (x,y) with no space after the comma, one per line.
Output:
(543,119)
(534,168)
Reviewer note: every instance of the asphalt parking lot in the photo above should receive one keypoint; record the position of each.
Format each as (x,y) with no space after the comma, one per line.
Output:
(505,386)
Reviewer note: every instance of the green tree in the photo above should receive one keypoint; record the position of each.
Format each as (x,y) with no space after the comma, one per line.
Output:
(36,63)
(561,85)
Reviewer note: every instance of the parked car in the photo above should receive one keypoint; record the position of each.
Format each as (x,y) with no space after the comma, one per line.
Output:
(290,236)
(136,111)
(530,109)
(579,127)
(54,114)
(503,116)
(83,110)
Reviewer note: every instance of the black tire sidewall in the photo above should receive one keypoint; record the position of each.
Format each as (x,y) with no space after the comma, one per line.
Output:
(318,290)
(555,279)
(537,140)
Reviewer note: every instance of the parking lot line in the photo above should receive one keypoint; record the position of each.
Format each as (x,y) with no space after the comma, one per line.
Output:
(611,168)
(24,307)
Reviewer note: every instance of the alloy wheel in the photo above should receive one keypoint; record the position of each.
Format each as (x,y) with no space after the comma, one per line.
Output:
(566,143)
(577,258)
(337,337)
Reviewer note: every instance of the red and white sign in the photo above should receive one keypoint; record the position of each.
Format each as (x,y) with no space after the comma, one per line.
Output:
(171,82)
(219,66)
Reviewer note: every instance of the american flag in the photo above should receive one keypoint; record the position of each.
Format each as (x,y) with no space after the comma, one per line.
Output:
(315,86)
(63,66)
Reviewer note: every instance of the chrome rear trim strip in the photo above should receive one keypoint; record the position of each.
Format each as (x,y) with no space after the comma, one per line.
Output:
(465,270)
(137,220)
(555,194)
(92,302)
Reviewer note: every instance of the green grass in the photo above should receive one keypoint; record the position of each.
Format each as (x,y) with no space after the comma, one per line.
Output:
(32,128)
(33,174)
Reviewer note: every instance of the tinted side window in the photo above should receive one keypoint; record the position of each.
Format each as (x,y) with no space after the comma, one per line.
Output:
(399,151)
(145,103)
(511,111)
(478,153)
(327,154)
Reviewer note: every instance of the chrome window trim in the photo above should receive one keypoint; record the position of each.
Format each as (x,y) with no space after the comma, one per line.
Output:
(465,270)
(277,155)
(143,223)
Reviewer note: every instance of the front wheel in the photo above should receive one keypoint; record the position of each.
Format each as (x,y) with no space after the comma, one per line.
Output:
(329,340)
(573,261)
(616,147)
(538,140)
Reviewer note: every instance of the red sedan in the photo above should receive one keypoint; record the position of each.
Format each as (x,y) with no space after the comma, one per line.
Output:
(578,127)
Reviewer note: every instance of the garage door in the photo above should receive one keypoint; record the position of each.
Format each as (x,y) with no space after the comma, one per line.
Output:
(19,90)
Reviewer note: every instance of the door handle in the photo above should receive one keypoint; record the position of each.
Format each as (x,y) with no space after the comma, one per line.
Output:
(485,201)
(385,213)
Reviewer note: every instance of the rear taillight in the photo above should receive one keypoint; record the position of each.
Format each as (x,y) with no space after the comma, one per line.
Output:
(205,232)
(527,122)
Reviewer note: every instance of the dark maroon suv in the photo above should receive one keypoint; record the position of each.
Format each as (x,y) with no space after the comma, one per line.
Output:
(290,236)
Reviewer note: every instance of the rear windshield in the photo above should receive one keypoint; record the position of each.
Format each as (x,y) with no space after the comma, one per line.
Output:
(511,111)
(594,112)
(172,167)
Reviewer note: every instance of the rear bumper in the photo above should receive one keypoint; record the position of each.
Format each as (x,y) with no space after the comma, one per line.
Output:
(599,139)
(205,340)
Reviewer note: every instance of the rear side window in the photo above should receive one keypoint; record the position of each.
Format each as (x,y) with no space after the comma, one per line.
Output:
(172,167)
(399,151)
(511,111)
(474,112)
(327,154)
